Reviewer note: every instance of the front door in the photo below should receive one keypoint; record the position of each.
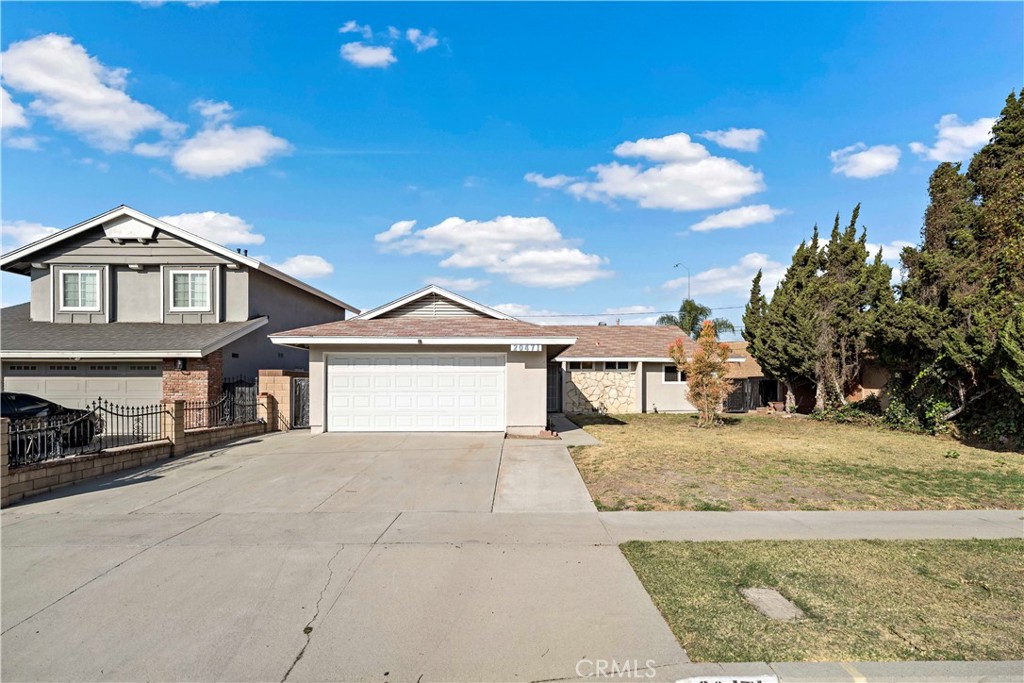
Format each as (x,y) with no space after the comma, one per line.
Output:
(554,387)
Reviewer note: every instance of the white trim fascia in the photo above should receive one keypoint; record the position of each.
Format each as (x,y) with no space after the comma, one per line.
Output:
(432,289)
(23,252)
(631,359)
(421,341)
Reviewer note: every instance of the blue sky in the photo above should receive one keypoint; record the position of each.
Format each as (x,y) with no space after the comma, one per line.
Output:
(556,158)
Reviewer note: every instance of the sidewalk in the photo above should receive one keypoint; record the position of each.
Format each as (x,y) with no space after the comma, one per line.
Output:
(797,525)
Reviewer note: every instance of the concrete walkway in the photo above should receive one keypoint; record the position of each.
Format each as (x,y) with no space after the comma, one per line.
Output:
(786,526)
(569,432)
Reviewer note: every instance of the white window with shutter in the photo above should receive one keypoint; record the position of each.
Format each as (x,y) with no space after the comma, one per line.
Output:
(190,290)
(80,290)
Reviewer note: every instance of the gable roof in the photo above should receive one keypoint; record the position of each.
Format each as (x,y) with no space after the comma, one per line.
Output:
(13,258)
(621,342)
(423,330)
(20,337)
(428,291)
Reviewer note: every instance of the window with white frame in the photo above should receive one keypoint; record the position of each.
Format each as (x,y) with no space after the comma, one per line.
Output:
(190,290)
(581,365)
(80,290)
(616,365)
(673,375)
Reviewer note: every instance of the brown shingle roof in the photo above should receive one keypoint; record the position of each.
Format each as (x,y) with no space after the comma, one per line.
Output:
(425,327)
(749,368)
(620,341)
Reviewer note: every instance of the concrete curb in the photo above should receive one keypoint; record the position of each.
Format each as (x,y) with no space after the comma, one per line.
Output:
(844,672)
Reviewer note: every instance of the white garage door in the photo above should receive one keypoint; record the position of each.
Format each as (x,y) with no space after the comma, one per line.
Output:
(75,384)
(416,393)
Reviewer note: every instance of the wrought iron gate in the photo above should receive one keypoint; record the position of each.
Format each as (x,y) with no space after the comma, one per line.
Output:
(239,397)
(300,401)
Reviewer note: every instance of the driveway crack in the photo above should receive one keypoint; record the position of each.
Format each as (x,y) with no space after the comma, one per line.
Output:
(308,630)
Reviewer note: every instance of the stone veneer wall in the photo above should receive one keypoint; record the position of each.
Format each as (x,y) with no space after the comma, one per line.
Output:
(590,391)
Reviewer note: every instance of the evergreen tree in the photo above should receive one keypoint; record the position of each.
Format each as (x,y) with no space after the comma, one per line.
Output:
(754,313)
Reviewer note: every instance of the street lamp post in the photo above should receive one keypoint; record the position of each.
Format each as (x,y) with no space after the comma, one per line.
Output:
(687,278)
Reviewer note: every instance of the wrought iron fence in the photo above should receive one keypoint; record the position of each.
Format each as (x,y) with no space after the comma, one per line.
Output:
(238,404)
(99,425)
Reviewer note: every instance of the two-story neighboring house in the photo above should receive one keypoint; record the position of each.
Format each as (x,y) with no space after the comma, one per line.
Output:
(134,310)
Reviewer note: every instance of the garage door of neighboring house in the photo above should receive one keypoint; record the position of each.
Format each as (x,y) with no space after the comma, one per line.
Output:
(77,383)
(415,392)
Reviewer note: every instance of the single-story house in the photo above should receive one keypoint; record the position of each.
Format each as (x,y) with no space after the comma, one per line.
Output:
(619,369)
(429,361)
(134,310)
(751,389)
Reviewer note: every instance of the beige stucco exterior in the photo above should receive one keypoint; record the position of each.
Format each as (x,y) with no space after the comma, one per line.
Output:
(525,381)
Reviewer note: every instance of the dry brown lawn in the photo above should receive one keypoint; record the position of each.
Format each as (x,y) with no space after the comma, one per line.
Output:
(664,462)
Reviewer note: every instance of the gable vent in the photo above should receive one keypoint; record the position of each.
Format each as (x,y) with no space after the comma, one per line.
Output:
(432,305)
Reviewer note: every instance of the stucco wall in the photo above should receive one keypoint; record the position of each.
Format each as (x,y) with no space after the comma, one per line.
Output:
(525,382)
(287,308)
(589,391)
(136,294)
(666,397)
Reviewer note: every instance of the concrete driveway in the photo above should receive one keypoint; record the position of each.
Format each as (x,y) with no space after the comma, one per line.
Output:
(329,558)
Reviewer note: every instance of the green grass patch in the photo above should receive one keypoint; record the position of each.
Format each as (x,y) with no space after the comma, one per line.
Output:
(864,600)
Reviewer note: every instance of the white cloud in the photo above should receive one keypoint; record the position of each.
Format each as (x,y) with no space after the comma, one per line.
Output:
(675,147)
(458,284)
(304,266)
(739,218)
(684,176)
(399,229)
(625,315)
(222,228)
(17,233)
(12,115)
(734,279)
(528,251)
(153,150)
(394,33)
(352,26)
(221,148)
(548,182)
(29,142)
(368,56)
(78,93)
(860,161)
(741,139)
(956,139)
(420,40)
(890,251)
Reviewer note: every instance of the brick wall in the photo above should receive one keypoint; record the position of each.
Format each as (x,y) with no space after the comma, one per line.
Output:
(278,383)
(202,379)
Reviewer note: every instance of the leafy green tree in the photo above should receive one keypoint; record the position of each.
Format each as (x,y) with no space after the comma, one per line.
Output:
(706,371)
(691,318)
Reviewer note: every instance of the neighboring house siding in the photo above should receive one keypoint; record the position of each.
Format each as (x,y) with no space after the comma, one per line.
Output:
(611,391)
(287,307)
(432,306)
(92,247)
(39,290)
(136,295)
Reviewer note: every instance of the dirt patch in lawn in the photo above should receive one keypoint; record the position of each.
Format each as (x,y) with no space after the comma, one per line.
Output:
(663,462)
(862,600)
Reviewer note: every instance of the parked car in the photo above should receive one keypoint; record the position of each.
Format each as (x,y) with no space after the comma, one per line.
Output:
(72,426)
